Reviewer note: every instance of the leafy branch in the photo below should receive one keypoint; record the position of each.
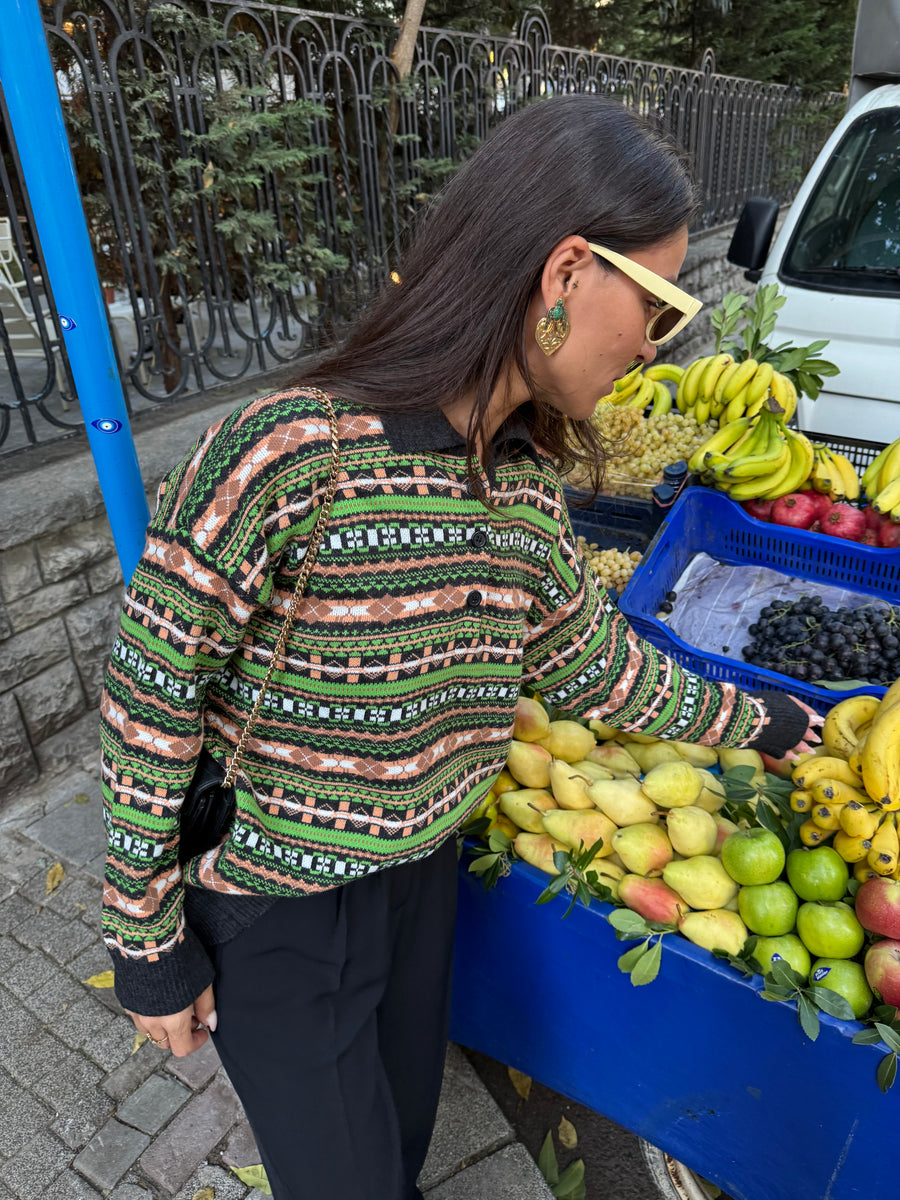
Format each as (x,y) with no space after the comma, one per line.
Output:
(885,1027)
(490,859)
(641,962)
(576,878)
(568,1185)
(752,322)
(784,983)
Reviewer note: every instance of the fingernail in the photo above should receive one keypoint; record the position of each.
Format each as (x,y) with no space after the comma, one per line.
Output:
(211,1021)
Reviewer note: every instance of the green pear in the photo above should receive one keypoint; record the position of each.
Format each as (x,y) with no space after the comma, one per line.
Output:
(712,793)
(623,801)
(577,828)
(642,739)
(672,784)
(715,929)
(643,848)
(601,730)
(568,786)
(615,758)
(568,740)
(537,849)
(730,757)
(651,756)
(608,874)
(697,755)
(529,764)
(531,721)
(590,770)
(691,830)
(701,881)
(526,807)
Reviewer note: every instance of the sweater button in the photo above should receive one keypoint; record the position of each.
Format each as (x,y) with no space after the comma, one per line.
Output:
(478,539)
(473,599)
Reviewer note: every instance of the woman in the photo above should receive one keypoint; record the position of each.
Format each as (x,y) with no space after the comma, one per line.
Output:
(447,577)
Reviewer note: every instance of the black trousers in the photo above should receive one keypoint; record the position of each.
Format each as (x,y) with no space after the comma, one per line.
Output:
(332,1026)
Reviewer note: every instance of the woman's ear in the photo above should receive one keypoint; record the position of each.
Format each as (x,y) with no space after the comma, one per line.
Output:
(565,265)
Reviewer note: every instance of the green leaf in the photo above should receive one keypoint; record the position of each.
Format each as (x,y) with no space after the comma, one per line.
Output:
(630,958)
(628,922)
(553,888)
(887,1071)
(889,1035)
(774,991)
(785,975)
(571,1182)
(886,1013)
(809,1019)
(829,1001)
(483,863)
(499,841)
(254,1177)
(743,773)
(547,1163)
(647,967)
(562,860)
(866,1037)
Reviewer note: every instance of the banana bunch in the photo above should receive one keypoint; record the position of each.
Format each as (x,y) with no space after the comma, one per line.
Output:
(852,791)
(834,474)
(754,457)
(717,386)
(641,387)
(881,480)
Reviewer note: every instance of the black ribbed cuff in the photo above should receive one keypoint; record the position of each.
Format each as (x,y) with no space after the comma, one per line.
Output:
(786,726)
(170,984)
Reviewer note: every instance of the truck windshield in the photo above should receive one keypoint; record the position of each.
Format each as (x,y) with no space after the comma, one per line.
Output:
(848,237)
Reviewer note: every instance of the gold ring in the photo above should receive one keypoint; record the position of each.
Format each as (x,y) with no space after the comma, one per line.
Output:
(160,1042)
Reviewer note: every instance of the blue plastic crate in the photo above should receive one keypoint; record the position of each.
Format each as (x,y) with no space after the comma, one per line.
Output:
(703,520)
(622,522)
(694,1062)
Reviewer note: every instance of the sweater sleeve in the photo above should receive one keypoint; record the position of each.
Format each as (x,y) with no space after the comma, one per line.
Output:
(583,656)
(205,571)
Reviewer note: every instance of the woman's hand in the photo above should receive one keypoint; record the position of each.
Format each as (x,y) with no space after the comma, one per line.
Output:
(182,1032)
(812,737)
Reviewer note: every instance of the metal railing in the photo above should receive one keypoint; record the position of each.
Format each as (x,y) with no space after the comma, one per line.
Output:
(247,170)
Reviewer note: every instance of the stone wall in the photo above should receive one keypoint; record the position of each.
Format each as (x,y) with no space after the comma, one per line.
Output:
(60,583)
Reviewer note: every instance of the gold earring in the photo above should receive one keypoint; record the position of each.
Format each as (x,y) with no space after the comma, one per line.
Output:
(553,329)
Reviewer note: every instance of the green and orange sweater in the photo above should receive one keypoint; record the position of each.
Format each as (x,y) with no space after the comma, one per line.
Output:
(392,710)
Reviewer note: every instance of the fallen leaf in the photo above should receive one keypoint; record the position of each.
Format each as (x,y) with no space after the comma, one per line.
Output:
(104,980)
(567,1135)
(254,1177)
(206,1193)
(80,907)
(139,1039)
(55,876)
(522,1083)
(81,798)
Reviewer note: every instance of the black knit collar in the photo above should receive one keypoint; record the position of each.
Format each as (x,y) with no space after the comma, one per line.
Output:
(417,432)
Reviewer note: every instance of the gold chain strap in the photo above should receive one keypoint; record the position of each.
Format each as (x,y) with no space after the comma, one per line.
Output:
(308,563)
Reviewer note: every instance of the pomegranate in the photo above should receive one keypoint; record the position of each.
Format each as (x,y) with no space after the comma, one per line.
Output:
(823,503)
(874,520)
(869,538)
(844,521)
(761,509)
(889,536)
(796,509)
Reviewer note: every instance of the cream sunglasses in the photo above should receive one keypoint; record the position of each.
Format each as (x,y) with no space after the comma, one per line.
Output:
(676,307)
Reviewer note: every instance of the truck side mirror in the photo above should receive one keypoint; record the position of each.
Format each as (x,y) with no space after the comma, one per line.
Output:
(752,236)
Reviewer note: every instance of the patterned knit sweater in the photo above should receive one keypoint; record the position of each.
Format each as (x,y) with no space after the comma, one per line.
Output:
(392,710)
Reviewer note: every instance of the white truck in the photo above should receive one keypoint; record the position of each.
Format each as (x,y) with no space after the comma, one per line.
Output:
(836,258)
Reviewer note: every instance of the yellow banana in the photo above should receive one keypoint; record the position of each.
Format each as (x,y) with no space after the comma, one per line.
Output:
(688,388)
(702,409)
(883,855)
(722,382)
(890,468)
(764,463)
(662,400)
(630,381)
(759,385)
(740,379)
(801,463)
(827,816)
(754,441)
(761,485)
(710,377)
(812,835)
(862,871)
(888,497)
(724,437)
(782,390)
(836,791)
(849,478)
(870,475)
(823,766)
(841,730)
(851,849)
(821,472)
(880,757)
(736,406)
(801,800)
(642,397)
(664,371)
(859,819)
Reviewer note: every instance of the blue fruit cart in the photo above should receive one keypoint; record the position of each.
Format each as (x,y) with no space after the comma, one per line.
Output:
(695,1062)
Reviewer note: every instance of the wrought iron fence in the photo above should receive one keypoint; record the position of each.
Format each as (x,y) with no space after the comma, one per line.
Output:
(247,170)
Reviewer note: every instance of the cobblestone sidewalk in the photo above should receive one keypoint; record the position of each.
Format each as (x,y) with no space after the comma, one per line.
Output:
(83,1115)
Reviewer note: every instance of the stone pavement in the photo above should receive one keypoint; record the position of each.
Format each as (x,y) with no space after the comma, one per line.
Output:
(84,1115)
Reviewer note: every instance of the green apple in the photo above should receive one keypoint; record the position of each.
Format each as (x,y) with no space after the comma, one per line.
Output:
(768,908)
(848,979)
(787,947)
(829,930)
(818,873)
(753,856)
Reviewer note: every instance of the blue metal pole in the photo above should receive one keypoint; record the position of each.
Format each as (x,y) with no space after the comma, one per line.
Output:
(37,122)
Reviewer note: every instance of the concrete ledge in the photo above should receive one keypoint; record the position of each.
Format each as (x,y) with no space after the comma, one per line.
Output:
(510,1174)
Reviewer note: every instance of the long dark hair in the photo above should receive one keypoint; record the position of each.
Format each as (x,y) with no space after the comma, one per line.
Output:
(574,164)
